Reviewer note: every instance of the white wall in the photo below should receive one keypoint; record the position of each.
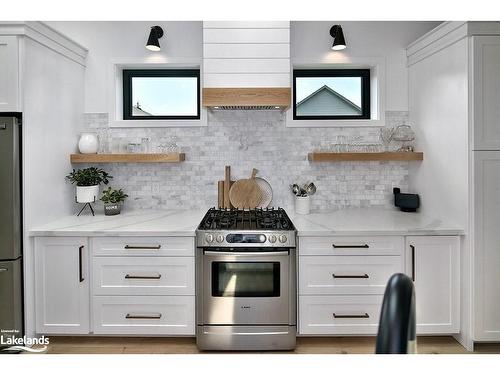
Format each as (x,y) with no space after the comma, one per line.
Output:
(311,40)
(438,112)
(125,41)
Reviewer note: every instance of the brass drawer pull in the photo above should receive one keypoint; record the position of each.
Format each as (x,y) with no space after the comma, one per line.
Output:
(364,246)
(364,276)
(156,277)
(350,316)
(139,247)
(130,316)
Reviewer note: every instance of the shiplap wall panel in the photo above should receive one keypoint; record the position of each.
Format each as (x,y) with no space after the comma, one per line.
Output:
(246,24)
(246,54)
(246,36)
(246,51)
(231,66)
(247,80)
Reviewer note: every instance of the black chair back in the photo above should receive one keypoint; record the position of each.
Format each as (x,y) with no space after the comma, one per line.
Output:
(397,326)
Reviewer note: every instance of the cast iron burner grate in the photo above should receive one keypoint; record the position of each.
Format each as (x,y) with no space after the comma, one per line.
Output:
(254,219)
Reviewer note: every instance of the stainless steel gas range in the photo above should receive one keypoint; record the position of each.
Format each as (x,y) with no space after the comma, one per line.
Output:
(246,280)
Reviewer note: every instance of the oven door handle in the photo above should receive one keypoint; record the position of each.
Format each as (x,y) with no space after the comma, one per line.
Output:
(259,254)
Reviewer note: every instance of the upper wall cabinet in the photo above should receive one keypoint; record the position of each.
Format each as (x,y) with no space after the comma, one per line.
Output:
(486,92)
(9,74)
(246,54)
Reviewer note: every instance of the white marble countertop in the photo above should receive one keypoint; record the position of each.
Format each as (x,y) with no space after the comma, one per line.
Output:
(354,221)
(372,221)
(133,223)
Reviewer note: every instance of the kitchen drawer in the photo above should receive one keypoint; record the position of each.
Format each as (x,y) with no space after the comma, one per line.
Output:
(346,274)
(342,315)
(142,315)
(360,245)
(143,246)
(143,276)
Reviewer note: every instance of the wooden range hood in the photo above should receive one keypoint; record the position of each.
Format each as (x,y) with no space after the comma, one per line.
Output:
(229,98)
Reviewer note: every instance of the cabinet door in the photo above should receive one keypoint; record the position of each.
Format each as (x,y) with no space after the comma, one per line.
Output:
(486,91)
(486,253)
(62,285)
(9,74)
(433,262)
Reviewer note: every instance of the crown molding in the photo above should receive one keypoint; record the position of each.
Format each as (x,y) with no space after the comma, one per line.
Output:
(47,36)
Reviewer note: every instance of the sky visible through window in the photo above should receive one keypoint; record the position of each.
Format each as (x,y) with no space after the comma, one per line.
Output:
(349,87)
(166,96)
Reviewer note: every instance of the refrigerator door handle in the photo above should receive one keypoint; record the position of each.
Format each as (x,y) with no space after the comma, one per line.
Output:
(80,255)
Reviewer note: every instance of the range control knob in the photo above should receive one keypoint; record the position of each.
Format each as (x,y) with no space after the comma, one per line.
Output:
(209,238)
(272,238)
(282,238)
(219,238)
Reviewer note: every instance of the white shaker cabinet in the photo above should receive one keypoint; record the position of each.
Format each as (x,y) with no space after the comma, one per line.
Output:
(486,91)
(487,245)
(9,74)
(62,285)
(433,262)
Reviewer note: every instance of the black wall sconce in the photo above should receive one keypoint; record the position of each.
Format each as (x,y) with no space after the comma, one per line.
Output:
(153,44)
(338,38)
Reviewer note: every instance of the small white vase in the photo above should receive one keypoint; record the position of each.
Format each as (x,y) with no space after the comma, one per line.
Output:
(302,205)
(88,143)
(87,194)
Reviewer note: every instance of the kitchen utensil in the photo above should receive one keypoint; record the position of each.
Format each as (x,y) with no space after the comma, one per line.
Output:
(245,193)
(310,189)
(220,194)
(296,189)
(266,190)
(227,186)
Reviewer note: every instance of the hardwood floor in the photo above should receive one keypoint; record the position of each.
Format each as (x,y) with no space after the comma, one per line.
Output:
(305,345)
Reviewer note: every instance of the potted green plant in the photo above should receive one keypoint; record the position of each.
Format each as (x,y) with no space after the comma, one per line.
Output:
(87,182)
(113,200)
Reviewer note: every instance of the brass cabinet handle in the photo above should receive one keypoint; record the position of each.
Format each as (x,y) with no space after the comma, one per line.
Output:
(412,247)
(350,316)
(146,277)
(140,316)
(364,246)
(364,276)
(80,266)
(139,247)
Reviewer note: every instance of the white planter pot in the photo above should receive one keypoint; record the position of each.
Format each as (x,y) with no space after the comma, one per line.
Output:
(302,205)
(87,194)
(88,143)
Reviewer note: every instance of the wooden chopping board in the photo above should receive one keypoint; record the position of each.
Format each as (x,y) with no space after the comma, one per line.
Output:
(246,193)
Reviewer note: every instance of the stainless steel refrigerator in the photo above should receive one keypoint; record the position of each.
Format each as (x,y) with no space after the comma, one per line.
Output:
(11,279)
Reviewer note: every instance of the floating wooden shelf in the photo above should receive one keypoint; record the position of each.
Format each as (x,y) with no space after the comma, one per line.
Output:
(365,156)
(174,157)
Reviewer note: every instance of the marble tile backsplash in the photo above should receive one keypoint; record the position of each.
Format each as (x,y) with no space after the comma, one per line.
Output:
(247,139)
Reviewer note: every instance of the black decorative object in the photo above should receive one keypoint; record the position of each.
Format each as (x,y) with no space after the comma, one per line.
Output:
(406,202)
(153,43)
(338,38)
(87,204)
(397,326)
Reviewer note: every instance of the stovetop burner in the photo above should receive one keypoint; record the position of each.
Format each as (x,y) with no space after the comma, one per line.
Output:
(255,219)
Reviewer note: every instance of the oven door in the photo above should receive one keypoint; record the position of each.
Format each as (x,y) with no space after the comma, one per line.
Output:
(246,288)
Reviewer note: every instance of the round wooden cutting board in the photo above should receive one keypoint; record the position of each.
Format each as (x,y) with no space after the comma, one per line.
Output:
(246,193)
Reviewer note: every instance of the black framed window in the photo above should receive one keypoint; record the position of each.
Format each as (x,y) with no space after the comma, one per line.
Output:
(156,94)
(331,94)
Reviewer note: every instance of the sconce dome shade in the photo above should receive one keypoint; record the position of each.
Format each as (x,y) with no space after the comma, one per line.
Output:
(155,34)
(338,38)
